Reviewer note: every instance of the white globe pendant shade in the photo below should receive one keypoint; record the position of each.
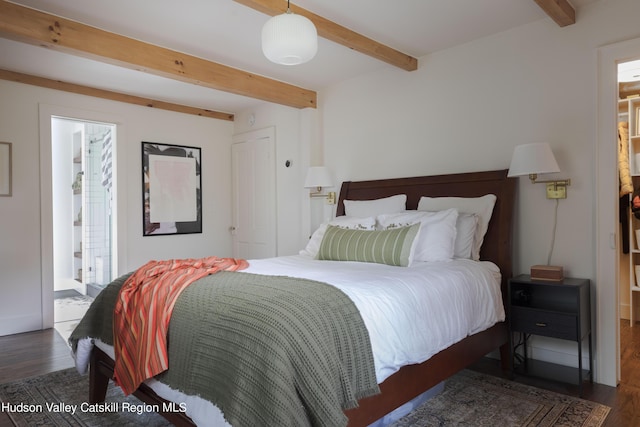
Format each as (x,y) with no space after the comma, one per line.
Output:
(289,39)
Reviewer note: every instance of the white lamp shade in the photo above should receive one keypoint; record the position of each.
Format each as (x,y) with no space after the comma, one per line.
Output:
(318,176)
(532,159)
(289,39)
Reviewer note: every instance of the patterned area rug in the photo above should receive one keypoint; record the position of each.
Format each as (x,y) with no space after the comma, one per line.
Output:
(469,399)
(473,399)
(71,308)
(60,399)
(68,312)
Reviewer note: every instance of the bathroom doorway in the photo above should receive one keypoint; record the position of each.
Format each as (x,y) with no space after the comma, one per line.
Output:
(83,226)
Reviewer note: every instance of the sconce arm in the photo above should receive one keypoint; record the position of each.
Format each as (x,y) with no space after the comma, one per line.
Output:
(330,196)
(557,182)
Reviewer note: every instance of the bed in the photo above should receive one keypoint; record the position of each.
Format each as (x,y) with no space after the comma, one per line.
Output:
(410,380)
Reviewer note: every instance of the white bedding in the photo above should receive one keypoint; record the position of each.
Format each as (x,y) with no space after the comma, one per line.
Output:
(411,313)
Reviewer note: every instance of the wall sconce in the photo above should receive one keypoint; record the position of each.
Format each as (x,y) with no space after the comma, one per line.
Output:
(532,159)
(318,177)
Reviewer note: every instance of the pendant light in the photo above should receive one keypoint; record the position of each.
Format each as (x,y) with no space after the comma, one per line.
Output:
(289,39)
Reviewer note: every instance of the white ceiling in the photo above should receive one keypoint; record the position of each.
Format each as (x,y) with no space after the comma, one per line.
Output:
(227,32)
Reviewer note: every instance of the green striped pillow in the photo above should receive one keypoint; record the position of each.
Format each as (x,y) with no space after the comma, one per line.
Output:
(393,247)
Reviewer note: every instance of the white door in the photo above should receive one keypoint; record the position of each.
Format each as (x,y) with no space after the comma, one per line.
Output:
(254,195)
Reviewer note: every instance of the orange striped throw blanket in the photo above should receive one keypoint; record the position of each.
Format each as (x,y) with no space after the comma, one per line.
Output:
(143,310)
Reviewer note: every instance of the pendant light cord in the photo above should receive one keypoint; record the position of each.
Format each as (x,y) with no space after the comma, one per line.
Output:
(553,235)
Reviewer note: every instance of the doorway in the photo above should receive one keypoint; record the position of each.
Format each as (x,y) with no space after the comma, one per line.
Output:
(83,224)
(629,249)
(629,173)
(607,238)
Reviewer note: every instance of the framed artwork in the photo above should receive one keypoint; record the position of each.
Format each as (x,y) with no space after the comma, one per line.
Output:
(5,169)
(171,189)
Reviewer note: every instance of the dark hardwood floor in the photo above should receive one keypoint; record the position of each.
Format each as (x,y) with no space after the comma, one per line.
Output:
(29,355)
(37,353)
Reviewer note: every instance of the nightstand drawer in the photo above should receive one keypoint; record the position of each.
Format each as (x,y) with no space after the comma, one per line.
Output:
(550,324)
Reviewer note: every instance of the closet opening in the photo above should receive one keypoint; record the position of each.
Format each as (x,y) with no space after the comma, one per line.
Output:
(629,248)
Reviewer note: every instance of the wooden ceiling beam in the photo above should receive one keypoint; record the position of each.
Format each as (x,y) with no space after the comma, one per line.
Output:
(113,96)
(560,11)
(338,34)
(31,26)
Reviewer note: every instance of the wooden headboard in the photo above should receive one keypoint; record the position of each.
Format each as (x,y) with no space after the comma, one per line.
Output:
(497,241)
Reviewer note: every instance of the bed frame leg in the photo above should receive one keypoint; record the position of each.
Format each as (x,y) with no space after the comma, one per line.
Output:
(99,376)
(505,357)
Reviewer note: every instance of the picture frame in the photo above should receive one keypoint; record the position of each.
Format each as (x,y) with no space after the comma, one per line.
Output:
(5,169)
(171,189)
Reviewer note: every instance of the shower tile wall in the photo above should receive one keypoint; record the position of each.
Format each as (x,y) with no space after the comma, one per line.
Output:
(96,212)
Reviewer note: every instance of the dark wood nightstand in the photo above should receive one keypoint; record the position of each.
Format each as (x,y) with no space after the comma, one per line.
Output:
(551,309)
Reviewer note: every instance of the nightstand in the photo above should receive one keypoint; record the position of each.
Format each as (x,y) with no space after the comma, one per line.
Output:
(551,309)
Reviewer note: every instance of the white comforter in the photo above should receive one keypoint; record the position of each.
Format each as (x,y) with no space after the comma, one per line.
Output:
(411,313)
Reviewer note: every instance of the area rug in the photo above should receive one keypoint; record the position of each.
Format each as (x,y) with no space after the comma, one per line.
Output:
(469,399)
(60,399)
(473,399)
(68,312)
(71,308)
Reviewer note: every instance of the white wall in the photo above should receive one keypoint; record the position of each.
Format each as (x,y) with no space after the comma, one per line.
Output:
(465,109)
(21,274)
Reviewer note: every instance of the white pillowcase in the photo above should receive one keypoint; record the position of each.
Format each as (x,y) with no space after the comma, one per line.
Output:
(481,206)
(368,208)
(436,239)
(353,223)
(465,235)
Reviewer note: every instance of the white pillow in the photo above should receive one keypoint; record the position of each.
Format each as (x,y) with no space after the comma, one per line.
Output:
(465,235)
(437,236)
(367,208)
(481,206)
(352,223)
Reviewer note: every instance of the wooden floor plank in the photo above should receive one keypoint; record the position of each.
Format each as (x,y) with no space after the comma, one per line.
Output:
(31,354)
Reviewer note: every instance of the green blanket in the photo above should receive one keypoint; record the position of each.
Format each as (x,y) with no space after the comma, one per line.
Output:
(266,350)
